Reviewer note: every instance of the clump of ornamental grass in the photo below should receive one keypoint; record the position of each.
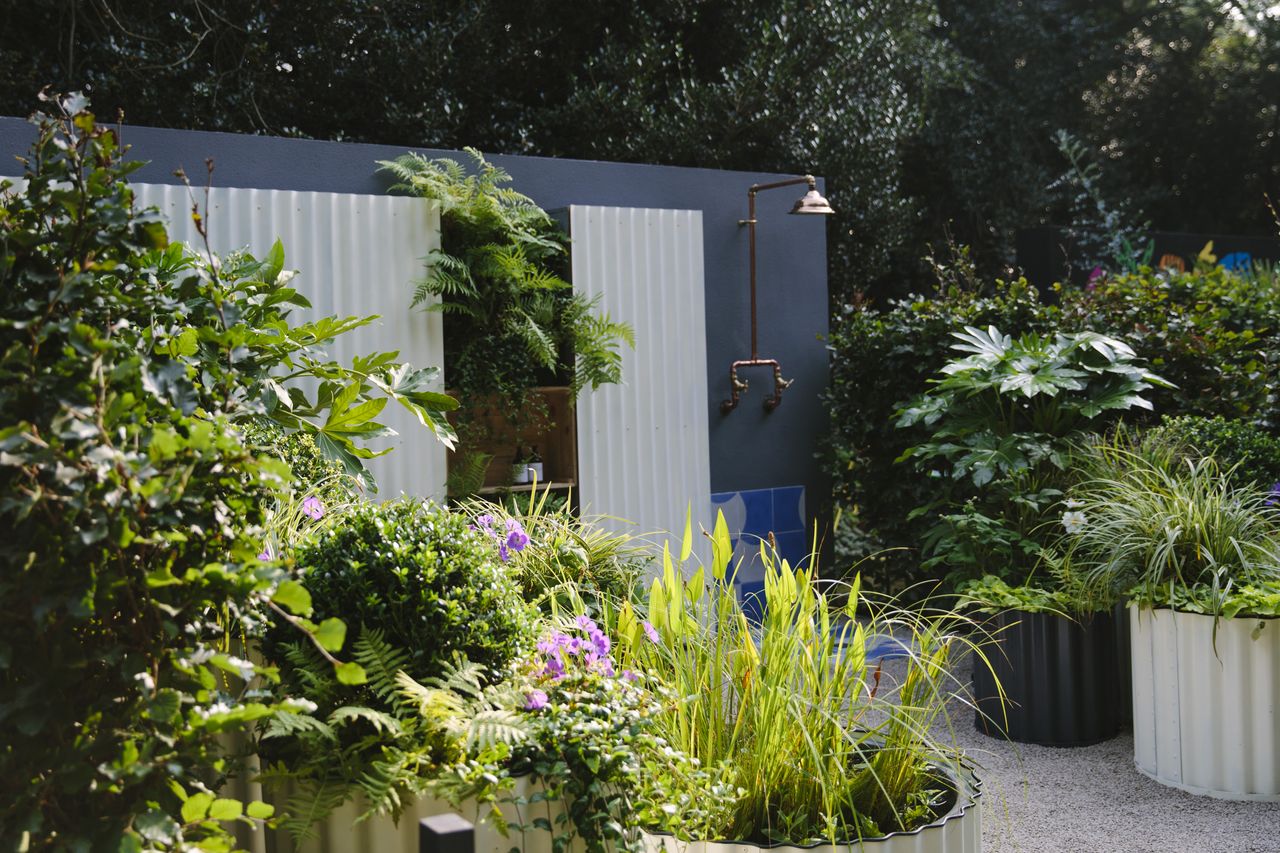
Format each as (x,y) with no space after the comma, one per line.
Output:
(794,710)
(571,565)
(1159,520)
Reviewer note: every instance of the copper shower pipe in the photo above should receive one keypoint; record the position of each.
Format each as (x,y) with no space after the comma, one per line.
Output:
(811,203)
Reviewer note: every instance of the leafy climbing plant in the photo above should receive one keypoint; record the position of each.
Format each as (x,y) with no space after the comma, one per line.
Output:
(512,320)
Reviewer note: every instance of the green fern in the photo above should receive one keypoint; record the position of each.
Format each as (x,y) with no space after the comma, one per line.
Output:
(314,801)
(381,722)
(381,663)
(500,277)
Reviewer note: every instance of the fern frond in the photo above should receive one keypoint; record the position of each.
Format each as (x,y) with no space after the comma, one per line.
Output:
(314,802)
(381,662)
(383,723)
(494,726)
(537,341)
(289,724)
(460,676)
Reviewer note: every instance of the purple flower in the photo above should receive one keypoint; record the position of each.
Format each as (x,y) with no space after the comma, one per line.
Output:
(586,623)
(1273,496)
(266,553)
(546,646)
(554,667)
(485,521)
(606,667)
(535,700)
(629,675)
(650,632)
(313,508)
(601,642)
(574,646)
(503,553)
(516,540)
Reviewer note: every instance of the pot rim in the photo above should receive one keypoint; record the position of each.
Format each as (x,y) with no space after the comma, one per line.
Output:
(1134,605)
(968,795)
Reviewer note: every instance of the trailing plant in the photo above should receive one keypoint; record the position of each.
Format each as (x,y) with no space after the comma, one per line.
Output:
(1153,524)
(1003,420)
(133,506)
(793,709)
(1243,601)
(512,321)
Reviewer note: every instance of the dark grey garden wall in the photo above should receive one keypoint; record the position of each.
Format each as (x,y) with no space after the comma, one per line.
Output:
(749,449)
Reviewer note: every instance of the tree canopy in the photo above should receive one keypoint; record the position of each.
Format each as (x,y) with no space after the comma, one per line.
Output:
(924,115)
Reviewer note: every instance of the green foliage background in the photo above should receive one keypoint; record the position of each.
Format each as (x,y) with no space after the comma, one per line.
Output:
(1212,334)
(921,113)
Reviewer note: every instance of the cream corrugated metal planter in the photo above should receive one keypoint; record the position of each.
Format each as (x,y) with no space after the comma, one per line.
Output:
(339,832)
(1206,721)
(959,831)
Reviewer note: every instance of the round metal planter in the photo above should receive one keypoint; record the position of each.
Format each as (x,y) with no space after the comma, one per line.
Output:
(1206,705)
(958,831)
(1059,677)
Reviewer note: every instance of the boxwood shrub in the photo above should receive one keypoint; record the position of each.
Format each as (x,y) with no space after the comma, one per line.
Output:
(1250,452)
(420,575)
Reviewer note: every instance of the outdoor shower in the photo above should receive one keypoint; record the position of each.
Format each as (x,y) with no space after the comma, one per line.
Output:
(811,204)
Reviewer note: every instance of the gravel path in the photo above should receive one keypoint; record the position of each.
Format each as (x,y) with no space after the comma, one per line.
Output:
(1092,800)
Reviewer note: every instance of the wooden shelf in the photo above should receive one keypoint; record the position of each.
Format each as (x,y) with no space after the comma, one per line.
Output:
(557,442)
(527,487)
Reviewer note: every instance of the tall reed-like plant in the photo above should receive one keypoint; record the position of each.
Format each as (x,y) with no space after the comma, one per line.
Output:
(791,709)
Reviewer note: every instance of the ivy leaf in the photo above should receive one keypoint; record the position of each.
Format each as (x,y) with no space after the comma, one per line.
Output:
(350,673)
(259,810)
(294,597)
(196,807)
(331,634)
(225,809)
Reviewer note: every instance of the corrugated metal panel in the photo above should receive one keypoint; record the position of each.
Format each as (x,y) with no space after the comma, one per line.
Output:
(1203,721)
(642,445)
(1057,675)
(356,255)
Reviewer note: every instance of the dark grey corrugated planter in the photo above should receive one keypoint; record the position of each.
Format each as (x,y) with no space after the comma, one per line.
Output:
(1060,678)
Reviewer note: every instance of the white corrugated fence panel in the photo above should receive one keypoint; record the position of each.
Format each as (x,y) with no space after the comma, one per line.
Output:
(356,255)
(642,445)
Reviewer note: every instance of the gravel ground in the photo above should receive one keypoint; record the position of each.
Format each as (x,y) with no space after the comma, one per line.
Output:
(1091,800)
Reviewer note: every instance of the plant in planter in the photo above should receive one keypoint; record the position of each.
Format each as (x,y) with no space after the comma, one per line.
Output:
(815,745)
(1003,420)
(512,321)
(1200,562)
(418,585)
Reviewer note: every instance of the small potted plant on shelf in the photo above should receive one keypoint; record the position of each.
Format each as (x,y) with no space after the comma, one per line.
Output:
(810,739)
(1000,425)
(1199,558)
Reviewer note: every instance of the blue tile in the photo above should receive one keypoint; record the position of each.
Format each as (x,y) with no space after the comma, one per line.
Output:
(793,546)
(734,510)
(751,594)
(759,506)
(788,509)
